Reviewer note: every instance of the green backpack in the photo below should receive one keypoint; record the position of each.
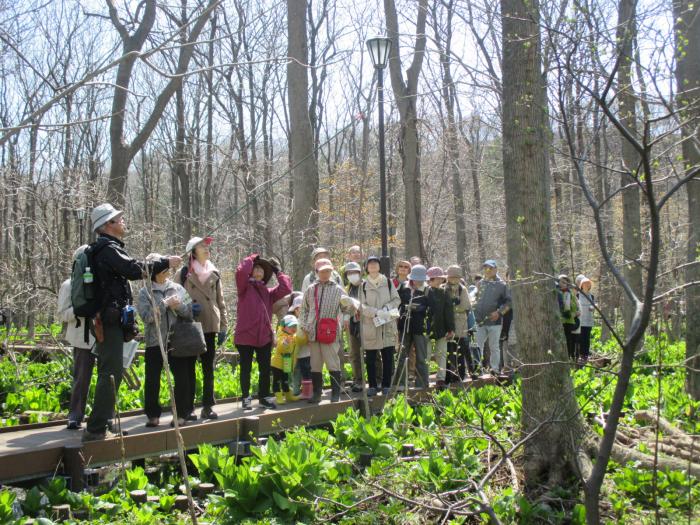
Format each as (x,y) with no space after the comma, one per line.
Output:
(84,296)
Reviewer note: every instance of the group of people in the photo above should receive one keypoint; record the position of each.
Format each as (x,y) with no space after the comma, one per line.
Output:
(576,306)
(393,326)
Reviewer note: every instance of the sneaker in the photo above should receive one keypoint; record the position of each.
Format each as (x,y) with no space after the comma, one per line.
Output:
(208,413)
(153,422)
(267,403)
(191,416)
(246,403)
(371,392)
(385,390)
(356,388)
(73,425)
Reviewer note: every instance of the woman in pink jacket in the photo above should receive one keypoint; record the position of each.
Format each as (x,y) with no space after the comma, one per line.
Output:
(254,333)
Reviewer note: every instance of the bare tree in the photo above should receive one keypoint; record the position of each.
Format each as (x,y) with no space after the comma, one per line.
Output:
(405,93)
(304,218)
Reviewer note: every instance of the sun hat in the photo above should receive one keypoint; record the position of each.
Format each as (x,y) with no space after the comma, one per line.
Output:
(103,213)
(454,271)
(352,267)
(194,241)
(296,303)
(318,251)
(372,258)
(418,273)
(435,272)
(323,264)
(289,321)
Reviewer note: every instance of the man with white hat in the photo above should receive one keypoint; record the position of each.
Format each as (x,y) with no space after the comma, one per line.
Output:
(113,269)
(81,339)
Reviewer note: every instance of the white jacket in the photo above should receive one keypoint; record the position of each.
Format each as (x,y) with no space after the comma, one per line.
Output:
(75,331)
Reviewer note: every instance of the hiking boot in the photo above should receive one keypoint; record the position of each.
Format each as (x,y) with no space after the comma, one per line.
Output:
(181,422)
(356,388)
(208,413)
(335,386)
(191,416)
(385,390)
(73,425)
(246,403)
(153,422)
(267,403)
(97,436)
(114,428)
(371,392)
(317,381)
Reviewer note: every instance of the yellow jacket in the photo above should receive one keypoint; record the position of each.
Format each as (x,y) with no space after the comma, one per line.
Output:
(287,344)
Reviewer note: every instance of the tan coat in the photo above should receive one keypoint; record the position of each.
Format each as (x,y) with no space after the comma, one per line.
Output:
(373,299)
(462,309)
(210,296)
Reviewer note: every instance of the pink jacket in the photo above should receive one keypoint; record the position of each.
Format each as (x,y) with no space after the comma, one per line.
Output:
(255,300)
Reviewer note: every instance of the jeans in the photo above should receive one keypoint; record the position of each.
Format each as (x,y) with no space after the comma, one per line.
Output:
(109,363)
(207,360)
(492,334)
(83,363)
(263,354)
(302,371)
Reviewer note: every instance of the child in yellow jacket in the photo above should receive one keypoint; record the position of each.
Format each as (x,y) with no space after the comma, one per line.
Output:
(284,358)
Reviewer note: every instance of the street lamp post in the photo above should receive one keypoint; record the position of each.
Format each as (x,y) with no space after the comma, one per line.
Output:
(80,214)
(379,48)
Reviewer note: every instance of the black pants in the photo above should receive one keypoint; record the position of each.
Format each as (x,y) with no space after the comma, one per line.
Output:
(109,363)
(280,381)
(584,341)
(262,354)
(151,386)
(570,340)
(207,360)
(387,354)
(183,375)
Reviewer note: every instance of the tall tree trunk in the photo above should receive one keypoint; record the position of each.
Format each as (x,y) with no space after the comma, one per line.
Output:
(686,13)
(548,403)
(631,218)
(304,233)
(405,94)
(449,96)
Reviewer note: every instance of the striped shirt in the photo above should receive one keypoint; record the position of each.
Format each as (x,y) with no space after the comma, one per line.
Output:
(329,295)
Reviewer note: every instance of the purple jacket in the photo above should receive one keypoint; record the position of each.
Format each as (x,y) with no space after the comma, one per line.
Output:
(255,300)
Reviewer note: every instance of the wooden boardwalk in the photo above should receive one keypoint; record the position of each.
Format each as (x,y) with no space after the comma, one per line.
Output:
(34,451)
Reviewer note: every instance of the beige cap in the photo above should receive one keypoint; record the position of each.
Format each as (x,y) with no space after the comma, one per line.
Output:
(323,264)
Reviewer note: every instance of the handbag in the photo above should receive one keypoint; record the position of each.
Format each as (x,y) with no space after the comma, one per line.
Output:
(186,338)
(326,327)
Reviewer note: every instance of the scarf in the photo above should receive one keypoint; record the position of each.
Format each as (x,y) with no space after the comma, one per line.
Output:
(376,281)
(203,271)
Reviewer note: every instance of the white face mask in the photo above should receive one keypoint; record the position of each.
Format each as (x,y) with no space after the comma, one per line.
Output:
(354,278)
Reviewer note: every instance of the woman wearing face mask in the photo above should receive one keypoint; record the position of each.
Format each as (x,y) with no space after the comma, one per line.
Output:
(414,307)
(353,276)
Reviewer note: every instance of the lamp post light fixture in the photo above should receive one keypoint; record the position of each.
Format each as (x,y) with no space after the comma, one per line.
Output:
(80,214)
(379,48)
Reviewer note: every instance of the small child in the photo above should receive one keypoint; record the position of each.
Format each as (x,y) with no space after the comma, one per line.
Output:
(441,320)
(282,362)
(301,377)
